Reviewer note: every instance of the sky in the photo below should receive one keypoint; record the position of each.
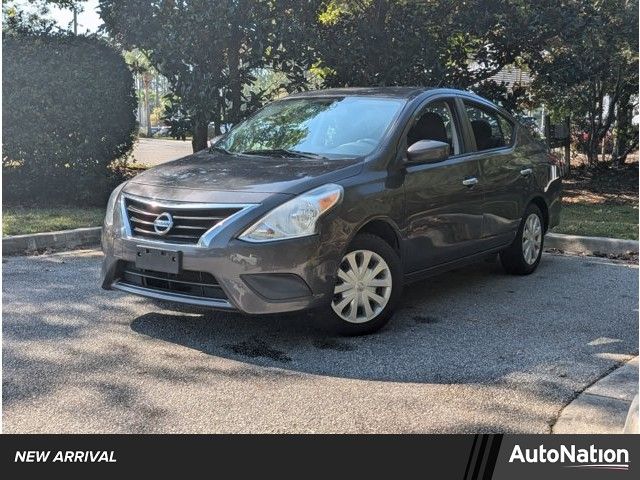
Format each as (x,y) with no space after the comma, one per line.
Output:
(88,21)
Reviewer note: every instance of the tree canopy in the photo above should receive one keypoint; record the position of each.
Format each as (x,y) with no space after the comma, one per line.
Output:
(590,71)
(208,50)
(400,42)
(211,50)
(223,59)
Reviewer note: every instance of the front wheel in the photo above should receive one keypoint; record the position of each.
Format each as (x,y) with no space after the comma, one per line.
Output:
(524,254)
(367,289)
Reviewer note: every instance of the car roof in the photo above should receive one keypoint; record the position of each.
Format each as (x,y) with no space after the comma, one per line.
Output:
(406,93)
(394,92)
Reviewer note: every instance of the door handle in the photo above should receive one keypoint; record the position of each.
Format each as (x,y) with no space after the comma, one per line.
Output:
(469,182)
(526,171)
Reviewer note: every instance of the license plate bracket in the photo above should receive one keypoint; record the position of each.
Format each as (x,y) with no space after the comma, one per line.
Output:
(158,259)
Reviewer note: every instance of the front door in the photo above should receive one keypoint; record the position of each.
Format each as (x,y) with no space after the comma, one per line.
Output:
(443,215)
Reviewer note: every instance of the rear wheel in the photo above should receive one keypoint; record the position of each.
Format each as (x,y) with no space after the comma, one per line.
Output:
(523,256)
(368,286)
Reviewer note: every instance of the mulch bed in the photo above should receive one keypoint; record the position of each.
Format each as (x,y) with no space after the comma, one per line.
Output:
(616,186)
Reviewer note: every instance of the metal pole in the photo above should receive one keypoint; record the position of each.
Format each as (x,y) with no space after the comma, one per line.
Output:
(567,144)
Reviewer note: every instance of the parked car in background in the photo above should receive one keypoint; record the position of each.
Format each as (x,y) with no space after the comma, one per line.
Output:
(162,131)
(333,200)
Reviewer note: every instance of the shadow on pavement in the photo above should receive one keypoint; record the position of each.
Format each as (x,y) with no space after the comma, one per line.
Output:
(471,350)
(472,325)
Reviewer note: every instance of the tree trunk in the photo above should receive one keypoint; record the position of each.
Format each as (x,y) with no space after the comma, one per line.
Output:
(156,83)
(217,128)
(235,85)
(140,99)
(592,147)
(380,34)
(147,109)
(199,141)
(626,137)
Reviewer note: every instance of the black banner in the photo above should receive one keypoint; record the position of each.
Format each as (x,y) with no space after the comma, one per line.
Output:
(465,457)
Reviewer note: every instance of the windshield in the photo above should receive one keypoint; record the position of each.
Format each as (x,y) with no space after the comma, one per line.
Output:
(327,127)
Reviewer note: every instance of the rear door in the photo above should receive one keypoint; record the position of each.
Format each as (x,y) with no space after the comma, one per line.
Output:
(442,199)
(505,173)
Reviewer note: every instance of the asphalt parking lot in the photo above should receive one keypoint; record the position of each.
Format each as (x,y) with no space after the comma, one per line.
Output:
(473,350)
(154,151)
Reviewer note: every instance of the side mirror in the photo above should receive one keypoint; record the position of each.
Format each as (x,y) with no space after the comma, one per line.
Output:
(428,151)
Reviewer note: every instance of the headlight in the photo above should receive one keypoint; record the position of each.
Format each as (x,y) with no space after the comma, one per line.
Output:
(111,204)
(295,218)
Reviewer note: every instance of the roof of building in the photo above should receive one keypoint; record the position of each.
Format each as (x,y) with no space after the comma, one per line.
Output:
(511,76)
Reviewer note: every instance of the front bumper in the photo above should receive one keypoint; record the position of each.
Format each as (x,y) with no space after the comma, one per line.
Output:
(273,277)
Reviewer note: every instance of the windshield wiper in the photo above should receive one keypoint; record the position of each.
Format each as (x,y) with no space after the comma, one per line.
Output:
(284,152)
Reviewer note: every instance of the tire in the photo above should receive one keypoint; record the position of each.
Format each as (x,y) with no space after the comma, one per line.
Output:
(375,298)
(523,255)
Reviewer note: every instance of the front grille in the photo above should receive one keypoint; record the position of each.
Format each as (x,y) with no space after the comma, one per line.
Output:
(188,223)
(188,282)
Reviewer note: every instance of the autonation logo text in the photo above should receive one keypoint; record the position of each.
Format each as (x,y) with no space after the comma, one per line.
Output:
(592,457)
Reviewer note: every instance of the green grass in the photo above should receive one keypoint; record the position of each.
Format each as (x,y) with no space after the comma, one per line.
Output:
(22,220)
(599,220)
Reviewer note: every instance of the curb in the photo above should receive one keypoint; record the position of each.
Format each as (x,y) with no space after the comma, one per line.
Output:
(590,245)
(604,406)
(62,240)
(81,237)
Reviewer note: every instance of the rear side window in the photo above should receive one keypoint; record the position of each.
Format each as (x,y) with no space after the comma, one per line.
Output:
(490,129)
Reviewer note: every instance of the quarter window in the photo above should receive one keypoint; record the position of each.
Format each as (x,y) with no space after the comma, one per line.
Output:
(490,129)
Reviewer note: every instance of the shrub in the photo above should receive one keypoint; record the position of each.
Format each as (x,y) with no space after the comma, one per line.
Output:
(68,119)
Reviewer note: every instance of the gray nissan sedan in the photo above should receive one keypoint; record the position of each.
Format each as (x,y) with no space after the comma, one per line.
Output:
(331,201)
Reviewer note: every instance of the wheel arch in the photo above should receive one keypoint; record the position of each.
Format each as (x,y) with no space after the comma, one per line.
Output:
(541,203)
(385,229)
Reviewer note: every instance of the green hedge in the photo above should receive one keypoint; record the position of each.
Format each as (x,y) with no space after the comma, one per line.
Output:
(68,119)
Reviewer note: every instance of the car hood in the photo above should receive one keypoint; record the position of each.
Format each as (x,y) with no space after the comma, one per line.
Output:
(249,174)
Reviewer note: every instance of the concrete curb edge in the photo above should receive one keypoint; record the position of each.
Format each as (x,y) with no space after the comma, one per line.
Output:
(590,245)
(61,240)
(81,237)
(604,407)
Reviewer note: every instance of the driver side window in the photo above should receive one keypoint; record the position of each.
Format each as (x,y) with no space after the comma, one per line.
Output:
(435,122)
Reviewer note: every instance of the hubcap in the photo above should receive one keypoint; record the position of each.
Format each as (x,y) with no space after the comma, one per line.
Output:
(363,286)
(531,239)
